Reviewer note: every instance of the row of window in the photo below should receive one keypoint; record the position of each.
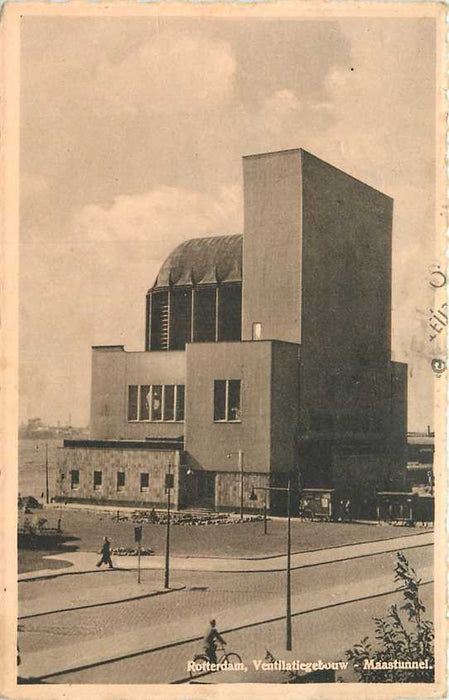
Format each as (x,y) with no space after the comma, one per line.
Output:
(201,315)
(158,402)
(97,482)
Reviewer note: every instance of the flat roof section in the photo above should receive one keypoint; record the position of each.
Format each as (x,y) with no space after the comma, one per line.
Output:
(168,444)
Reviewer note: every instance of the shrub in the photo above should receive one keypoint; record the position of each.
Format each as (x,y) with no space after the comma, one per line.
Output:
(400,647)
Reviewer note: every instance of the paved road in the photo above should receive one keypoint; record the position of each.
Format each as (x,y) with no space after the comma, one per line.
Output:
(184,614)
(317,635)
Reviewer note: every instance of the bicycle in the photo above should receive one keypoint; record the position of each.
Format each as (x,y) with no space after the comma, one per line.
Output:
(306,514)
(223,657)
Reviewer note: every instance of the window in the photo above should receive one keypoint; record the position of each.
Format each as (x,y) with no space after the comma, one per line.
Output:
(227,400)
(156,402)
(159,321)
(74,479)
(120,481)
(98,478)
(229,312)
(180,396)
(144,403)
(220,399)
(169,402)
(205,315)
(133,402)
(233,399)
(180,318)
(144,481)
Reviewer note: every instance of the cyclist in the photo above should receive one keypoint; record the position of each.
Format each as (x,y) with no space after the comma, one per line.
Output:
(212,635)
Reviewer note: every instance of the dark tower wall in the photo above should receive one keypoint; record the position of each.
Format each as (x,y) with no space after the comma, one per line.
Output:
(346,293)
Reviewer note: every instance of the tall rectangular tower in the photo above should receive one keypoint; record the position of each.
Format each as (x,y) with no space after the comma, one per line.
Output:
(317,273)
(316,258)
(272,247)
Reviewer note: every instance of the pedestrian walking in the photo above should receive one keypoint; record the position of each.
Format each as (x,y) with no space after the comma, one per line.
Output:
(106,554)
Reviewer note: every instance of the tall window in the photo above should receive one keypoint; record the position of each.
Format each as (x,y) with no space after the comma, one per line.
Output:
(144,413)
(179,402)
(98,480)
(159,321)
(133,402)
(120,481)
(180,318)
(227,400)
(156,402)
(169,402)
(205,311)
(229,312)
(74,479)
(144,481)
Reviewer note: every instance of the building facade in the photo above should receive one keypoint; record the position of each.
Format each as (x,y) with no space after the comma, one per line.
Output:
(267,357)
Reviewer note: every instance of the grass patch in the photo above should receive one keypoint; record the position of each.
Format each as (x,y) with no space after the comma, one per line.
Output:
(84,530)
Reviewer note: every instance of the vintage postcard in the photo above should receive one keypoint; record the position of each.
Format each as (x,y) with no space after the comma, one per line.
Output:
(224,350)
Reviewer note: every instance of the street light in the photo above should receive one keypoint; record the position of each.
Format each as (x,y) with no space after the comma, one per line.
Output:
(169,482)
(61,482)
(240,463)
(288,607)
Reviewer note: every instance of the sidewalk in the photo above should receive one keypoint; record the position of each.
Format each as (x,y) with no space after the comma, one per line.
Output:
(84,562)
(75,599)
(56,661)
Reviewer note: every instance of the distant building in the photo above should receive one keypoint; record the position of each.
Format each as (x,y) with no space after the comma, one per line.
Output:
(35,429)
(420,451)
(267,357)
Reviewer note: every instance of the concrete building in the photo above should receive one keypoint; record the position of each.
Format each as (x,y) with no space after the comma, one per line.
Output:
(267,357)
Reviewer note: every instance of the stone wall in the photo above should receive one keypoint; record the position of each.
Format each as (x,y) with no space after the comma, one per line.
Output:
(228,490)
(110,461)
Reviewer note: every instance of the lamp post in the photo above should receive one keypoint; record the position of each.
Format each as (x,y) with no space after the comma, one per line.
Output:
(288,605)
(169,481)
(47,498)
(240,466)
(61,482)
(47,495)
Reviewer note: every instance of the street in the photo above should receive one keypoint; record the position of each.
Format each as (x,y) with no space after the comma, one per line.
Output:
(332,605)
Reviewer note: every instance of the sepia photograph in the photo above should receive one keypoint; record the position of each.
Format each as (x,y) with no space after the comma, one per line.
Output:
(225,281)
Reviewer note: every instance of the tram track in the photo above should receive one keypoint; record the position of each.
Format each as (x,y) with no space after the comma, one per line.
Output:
(225,632)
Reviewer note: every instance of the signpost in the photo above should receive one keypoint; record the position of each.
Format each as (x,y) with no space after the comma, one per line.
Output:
(138,540)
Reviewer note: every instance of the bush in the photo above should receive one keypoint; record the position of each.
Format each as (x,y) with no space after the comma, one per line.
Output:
(404,652)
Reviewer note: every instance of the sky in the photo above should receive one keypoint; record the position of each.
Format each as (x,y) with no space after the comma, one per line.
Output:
(132,131)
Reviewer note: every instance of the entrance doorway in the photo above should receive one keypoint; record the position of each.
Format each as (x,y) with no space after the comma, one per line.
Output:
(200,489)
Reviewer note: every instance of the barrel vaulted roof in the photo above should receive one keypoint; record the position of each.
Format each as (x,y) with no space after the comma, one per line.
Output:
(212,260)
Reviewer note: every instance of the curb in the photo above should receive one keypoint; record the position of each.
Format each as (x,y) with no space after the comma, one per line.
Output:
(301,551)
(100,605)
